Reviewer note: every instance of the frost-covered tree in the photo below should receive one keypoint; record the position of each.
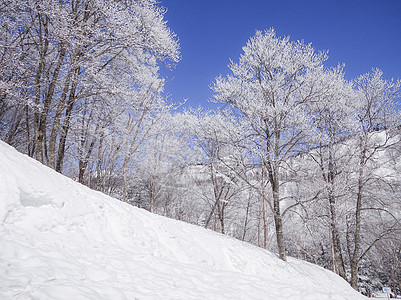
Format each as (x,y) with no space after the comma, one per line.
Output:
(271,86)
(14,75)
(76,52)
(214,133)
(163,157)
(376,134)
(334,121)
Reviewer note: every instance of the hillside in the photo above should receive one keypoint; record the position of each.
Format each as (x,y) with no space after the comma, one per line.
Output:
(61,240)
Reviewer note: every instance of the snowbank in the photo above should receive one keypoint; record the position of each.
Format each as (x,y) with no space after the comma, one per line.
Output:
(61,240)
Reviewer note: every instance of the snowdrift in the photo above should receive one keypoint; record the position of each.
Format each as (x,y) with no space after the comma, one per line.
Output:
(61,240)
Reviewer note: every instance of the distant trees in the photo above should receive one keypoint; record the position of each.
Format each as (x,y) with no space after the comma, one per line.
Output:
(161,161)
(214,134)
(387,260)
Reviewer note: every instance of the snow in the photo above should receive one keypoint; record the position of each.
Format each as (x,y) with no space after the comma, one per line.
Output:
(61,240)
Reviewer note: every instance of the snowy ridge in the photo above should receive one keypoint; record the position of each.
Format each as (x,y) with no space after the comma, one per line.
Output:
(61,240)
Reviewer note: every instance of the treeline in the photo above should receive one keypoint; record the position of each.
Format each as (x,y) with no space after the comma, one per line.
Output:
(301,161)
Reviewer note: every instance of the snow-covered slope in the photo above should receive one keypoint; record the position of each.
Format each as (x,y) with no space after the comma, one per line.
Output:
(61,240)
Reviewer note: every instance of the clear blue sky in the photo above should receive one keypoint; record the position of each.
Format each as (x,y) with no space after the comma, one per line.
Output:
(361,34)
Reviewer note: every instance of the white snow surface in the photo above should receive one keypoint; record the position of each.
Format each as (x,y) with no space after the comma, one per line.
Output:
(61,240)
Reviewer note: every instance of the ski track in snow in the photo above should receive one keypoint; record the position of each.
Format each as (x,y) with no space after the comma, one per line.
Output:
(61,240)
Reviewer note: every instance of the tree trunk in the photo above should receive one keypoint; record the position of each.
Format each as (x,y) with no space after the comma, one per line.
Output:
(84,158)
(264,207)
(210,215)
(152,195)
(221,216)
(246,219)
(265,225)
(125,177)
(329,178)
(65,129)
(278,221)
(272,171)
(15,124)
(57,120)
(354,274)
(29,144)
(38,124)
(357,234)
(338,257)
(99,162)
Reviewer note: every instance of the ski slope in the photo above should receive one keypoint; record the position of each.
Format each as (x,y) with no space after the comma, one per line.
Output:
(61,240)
